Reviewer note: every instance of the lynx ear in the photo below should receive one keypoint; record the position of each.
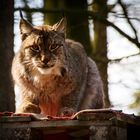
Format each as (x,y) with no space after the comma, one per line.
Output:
(25,27)
(61,25)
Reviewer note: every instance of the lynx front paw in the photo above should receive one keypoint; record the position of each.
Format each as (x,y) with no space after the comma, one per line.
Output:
(66,111)
(30,108)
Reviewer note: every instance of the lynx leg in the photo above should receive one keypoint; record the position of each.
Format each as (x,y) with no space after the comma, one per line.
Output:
(93,96)
(69,104)
(28,106)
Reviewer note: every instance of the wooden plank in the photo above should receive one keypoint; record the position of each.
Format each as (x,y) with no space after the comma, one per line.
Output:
(55,124)
(100,124)
(6,119)
(107,133)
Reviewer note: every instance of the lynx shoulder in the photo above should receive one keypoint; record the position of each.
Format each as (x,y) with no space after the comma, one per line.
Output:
(54,74)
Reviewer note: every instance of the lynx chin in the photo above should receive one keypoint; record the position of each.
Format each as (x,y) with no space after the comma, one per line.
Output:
(54,74)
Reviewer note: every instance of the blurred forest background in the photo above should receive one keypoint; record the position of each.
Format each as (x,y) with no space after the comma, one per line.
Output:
(109,30)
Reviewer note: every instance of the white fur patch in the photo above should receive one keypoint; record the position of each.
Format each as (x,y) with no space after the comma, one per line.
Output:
(44,71)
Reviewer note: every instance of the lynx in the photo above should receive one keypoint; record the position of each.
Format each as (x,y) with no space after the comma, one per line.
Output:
(54,74)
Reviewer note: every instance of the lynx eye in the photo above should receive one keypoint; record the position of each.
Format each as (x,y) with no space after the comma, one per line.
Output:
(54,47)
(35,48)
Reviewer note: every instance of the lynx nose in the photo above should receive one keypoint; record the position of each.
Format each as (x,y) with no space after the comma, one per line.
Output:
(45,59)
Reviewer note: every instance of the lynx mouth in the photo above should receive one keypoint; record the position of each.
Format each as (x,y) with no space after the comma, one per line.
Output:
(45,66)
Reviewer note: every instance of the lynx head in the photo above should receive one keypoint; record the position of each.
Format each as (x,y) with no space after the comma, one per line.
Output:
(43,48)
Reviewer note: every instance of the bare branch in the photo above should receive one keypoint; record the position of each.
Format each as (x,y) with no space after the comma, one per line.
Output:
(127,18)
(108,23)
(119,59)
(133,40)
(120,15)
(91,14)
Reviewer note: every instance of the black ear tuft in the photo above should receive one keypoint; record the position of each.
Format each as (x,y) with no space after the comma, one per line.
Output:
(20,12)
(61,26)
(25,27)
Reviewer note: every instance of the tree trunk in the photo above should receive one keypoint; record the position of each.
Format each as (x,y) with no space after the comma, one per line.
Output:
(100,45)
(78,26)
(7,98)
(52,18)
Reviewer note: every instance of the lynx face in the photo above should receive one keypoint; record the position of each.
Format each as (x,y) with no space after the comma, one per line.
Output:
(43,48)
